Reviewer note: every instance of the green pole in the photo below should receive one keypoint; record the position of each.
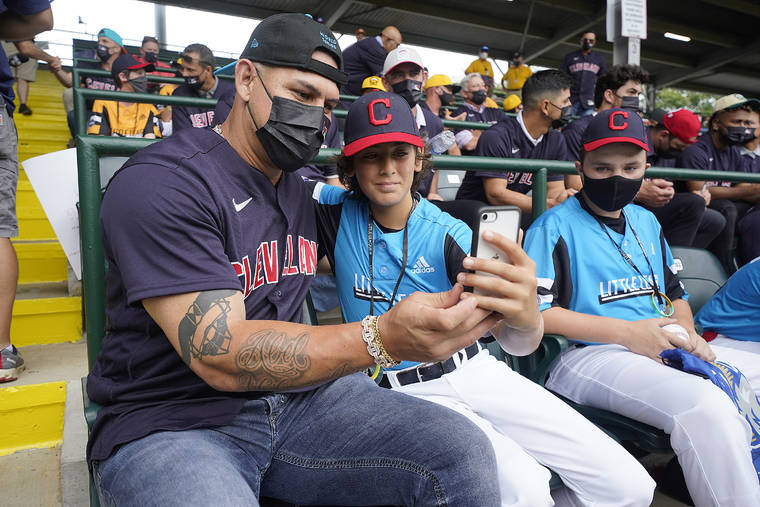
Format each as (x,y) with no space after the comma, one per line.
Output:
(539,192)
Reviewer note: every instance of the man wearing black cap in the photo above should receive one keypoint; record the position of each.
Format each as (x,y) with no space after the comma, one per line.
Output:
(126,119)
(212,393)
(196,64)
(518,72)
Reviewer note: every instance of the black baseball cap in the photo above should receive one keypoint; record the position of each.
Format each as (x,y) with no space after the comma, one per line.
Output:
(129,62)
(379,117)
(288,40)
(516,55)
(615,126)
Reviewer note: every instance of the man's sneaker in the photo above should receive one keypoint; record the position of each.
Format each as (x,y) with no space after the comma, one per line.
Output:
(12,364)
(24,109)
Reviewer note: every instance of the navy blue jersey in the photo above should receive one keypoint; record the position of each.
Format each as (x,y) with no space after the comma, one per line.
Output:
(705,155)
(584,69)
(653,158)
(184,117)
(431,127)
(507,139)
(320,172)
(573,134)
(360,60)
(223,107)
(734,311)
(487,115)
(23,8)
(184,215)
(436,246)
(580,269)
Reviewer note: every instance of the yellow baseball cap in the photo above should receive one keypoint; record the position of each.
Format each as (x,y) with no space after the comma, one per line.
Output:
(441,80)
(373,83)
(511,102)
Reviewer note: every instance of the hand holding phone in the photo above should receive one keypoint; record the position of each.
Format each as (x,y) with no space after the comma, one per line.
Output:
(504,220)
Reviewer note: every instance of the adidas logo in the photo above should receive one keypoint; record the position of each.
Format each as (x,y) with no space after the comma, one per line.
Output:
(422,266)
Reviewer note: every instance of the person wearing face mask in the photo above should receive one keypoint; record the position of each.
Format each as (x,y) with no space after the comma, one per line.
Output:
(440,91)
(403,75)
(474,108)
(481,65)
(211,241)
(606,281)
(584,66)
(531,134)
(149,50)
(126,119)
(196,65)
(515,77)
(730,126)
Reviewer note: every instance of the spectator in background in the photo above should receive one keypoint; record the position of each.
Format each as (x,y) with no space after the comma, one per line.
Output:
(750,249)
(584,66)
(196,64)
(149,53)
(685,219)
(22,57)
(481,65)
(531,134)
(372,84)
(440,91)
(512,104)
(474,95)
(518,72)
(730,126)
(366,58)
(751,149)
(126,119)
(360,34)
(19,21)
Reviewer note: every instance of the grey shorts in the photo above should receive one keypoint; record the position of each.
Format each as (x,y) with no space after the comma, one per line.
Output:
(8,174)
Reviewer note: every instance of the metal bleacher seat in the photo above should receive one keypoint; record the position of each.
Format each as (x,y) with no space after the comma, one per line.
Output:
(449,181)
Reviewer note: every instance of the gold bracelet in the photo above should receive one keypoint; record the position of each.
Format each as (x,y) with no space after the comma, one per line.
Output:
(369,335)
(379,341)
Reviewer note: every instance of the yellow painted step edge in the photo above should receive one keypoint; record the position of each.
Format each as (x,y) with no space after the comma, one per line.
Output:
(46,305)
(32,416)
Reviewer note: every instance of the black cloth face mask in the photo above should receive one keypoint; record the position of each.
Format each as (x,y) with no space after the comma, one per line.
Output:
(738,135)
(587,45)
(151,57)
(566,113)
(294,132)
(670,153)
(630,103)
(140,84)
(478,97)
(613,193)
(194,82)
(447,98)
(103,52)
(410,90)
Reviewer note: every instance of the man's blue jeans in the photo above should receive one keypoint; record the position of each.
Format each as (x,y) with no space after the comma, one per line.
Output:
(348,442)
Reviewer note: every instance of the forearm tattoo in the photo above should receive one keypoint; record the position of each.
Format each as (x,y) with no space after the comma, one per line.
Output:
(270,360)
(203,330)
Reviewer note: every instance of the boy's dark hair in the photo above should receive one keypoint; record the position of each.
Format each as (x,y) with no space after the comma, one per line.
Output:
(347,176)
(544,84)
(206,57)
(616,77)
(149,38)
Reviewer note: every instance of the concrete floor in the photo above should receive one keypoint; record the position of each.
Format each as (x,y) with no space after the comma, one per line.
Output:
(31,478)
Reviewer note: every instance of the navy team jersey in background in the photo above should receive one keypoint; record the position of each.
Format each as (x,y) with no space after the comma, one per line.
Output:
(360,60)
(573,133)
(584,69)
(506,139)
(188,214)
(436,245)
(184,117)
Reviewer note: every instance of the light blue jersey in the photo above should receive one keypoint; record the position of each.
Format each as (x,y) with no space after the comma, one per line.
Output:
(436,245)
(734,311)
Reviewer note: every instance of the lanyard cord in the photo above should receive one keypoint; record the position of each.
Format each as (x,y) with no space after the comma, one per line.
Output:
(370,227)
(653,284)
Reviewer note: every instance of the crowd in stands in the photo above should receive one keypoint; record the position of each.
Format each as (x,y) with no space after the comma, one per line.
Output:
(596,267)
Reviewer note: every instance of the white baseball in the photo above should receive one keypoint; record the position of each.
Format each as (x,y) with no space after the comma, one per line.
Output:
(678,330)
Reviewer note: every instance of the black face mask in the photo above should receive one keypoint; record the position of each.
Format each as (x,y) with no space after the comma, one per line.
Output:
(670,153)
(294,132)
(587,45)
(410,90)
(738,135)
(140,84)
(447,98)
(611,194)
(565,116)
(630,103)
(151,57)
(103,52)
(478,97)
(194,82)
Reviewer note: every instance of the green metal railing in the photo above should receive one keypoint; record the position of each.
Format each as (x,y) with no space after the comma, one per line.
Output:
(91,148)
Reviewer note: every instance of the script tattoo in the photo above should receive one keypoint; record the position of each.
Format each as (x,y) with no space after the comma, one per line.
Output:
(269,360)
(203,330)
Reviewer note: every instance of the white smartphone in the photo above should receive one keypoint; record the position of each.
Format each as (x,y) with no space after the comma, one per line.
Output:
(502,219)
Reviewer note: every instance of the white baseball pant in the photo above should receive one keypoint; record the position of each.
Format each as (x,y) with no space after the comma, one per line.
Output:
(709,436)
(531,429)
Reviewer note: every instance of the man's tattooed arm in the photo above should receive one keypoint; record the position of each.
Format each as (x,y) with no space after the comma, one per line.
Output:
(203,330)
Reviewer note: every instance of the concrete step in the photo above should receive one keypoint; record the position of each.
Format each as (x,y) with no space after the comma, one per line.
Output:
(40,262)
(44,313)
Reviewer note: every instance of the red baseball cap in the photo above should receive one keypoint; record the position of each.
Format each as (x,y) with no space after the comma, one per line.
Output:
(683,124)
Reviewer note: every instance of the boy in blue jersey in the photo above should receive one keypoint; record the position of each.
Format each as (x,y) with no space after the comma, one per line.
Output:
(385,242)
(605,281)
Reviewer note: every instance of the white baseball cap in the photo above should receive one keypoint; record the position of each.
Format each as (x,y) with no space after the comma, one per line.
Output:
(401,54)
